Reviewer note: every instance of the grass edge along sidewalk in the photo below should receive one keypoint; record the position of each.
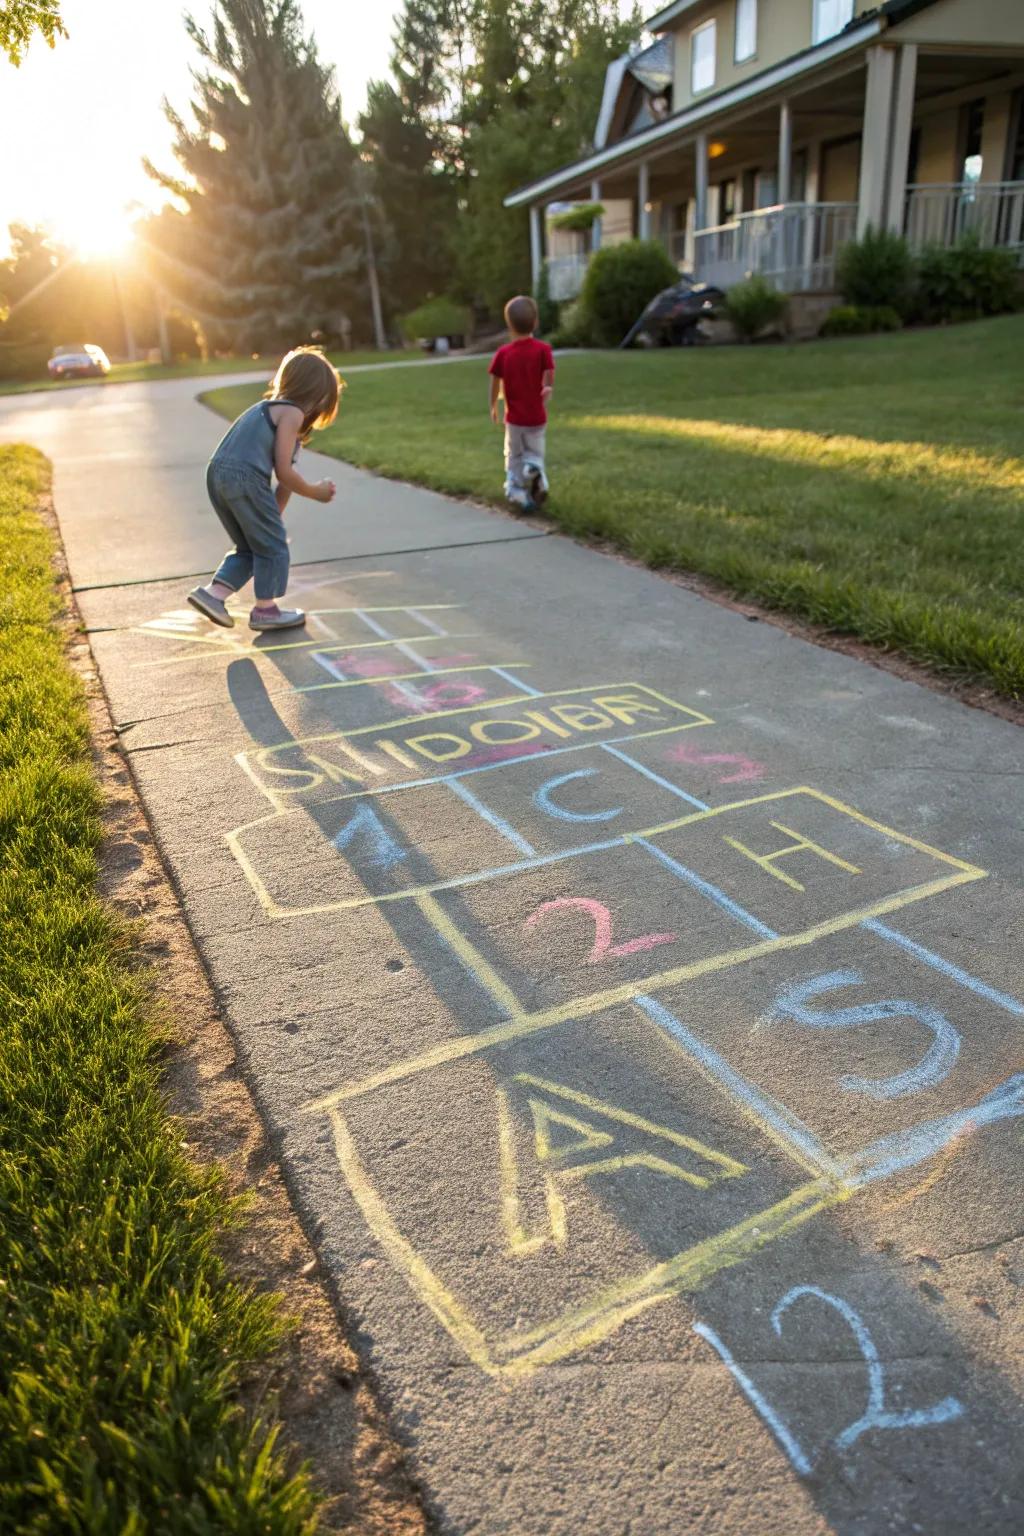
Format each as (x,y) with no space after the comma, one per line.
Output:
(123,1339)
(870,486)
(196,368)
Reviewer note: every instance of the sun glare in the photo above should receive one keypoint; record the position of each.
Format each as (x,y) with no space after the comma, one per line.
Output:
(98,234)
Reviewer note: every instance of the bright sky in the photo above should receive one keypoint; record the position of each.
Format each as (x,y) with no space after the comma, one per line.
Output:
(75,123)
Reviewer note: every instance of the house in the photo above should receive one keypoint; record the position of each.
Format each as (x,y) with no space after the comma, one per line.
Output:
(760,135)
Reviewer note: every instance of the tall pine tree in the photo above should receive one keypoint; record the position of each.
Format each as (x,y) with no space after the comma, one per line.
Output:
(268,247)
(412,132)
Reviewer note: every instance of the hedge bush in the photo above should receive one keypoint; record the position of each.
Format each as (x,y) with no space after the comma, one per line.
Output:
(24,360)
(965,281)
(437,317)
(877,272)
(861,320)
(621,281)
(754,305)
(575,328)
(547,309)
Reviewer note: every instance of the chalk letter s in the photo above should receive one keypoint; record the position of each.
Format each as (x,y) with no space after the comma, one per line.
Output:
(936,1063)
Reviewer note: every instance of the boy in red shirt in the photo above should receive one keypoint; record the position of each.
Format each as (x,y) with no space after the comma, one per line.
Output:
(523,372)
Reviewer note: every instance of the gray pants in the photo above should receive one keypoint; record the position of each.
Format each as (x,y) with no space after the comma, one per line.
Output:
(522,445)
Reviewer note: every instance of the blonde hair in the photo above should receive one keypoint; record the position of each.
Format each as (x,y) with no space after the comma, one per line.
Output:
(308,380)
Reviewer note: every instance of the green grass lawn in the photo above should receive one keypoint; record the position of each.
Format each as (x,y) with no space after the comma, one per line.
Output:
(122,1339)
(873,486)
(132,373)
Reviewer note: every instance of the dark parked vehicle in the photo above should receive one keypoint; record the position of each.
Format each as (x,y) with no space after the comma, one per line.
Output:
(84,361)
(673,317)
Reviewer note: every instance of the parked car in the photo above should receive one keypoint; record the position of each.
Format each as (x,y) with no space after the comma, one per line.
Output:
(84,361)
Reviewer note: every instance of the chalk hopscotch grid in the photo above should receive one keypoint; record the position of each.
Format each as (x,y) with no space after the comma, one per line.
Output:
(832,1182)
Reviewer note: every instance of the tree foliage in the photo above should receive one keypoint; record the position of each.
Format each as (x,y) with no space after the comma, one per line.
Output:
(492,93)
(57,299)
(268,246)
(20,19)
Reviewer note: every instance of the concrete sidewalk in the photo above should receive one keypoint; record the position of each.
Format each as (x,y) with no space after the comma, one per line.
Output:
(633,992)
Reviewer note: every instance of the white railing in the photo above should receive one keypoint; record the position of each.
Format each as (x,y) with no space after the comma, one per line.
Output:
(793,246)
(940,214)
(565,276)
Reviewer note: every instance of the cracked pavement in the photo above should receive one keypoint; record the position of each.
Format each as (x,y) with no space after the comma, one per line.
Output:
(635,1009)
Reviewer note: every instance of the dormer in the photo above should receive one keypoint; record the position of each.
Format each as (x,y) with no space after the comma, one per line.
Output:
(638,91)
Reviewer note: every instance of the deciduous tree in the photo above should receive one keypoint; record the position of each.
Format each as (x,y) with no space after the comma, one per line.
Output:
(20,19)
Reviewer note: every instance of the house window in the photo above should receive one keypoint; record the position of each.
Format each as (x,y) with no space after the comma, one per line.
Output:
(830,17)
(1016,165)
(974,123)
(703,46)
(766,189)
(746,30)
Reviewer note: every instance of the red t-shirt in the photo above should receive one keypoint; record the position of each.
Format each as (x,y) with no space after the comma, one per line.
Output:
(521,366)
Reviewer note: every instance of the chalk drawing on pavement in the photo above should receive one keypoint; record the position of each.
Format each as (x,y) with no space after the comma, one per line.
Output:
(451,803)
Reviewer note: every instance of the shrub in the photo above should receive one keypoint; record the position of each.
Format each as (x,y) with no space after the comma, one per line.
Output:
(877,272)
(754,305)
(964,281)
(621,281)
(861,320)
(437,317)
(547,309)
(574,327)
(24,360)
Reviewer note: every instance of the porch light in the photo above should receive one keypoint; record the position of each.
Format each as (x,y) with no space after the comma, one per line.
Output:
(716,148)
(648,207)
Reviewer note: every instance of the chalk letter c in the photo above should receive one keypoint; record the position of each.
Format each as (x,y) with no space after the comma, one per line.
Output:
(542,798)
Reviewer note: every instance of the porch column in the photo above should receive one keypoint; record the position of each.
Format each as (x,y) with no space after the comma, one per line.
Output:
(536,244)
(643,201)
(700,212)
(876,140)
(785,177)
(899,150)
(595,230)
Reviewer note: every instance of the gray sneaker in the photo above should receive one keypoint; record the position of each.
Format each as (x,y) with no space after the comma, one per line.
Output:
(212,608)
(276,618)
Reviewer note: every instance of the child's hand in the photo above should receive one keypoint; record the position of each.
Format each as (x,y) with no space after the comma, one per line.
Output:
(494,415)
(546,393)
(324,490)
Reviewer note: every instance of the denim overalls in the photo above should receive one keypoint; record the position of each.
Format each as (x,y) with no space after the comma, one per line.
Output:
(238,483)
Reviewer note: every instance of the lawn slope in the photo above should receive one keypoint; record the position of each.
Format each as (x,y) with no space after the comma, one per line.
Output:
(873,486)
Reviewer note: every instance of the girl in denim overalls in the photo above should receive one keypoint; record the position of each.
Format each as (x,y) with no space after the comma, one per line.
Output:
(265,439)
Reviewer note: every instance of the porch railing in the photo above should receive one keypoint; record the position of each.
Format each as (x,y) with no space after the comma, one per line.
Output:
(565,276)
(940,214)
(793,246)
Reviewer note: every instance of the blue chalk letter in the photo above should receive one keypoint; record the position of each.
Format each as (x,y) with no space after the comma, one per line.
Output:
(542,798)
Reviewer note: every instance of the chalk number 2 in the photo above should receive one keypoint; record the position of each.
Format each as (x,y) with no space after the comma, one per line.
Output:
(599,915)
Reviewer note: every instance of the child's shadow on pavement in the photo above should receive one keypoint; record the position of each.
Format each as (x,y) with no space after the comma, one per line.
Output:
(248,693)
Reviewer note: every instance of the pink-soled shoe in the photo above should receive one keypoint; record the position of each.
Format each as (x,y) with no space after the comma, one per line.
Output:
(276,618)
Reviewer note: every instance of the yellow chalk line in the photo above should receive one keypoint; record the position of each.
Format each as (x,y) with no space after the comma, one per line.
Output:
(480,968)
(524,1025)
